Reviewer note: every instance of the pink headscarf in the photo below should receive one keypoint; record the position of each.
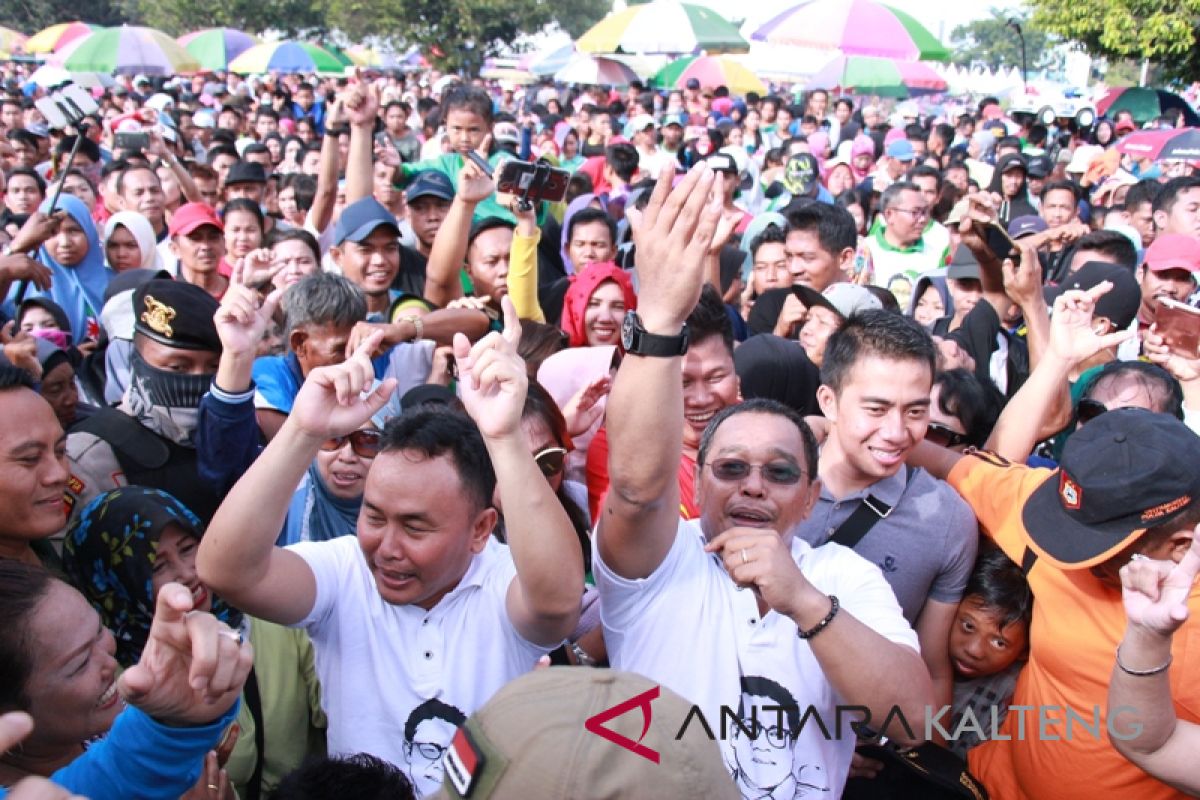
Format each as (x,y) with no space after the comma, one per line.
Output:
(862,144)
(818,145)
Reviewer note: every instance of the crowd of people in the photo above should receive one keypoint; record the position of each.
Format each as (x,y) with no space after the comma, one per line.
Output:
(330,470)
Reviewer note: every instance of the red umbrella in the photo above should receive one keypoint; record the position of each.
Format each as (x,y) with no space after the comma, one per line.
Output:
(1172,143)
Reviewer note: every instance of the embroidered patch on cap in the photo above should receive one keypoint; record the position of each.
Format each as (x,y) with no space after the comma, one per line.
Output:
(463,762)
(158,316)
(1070,492)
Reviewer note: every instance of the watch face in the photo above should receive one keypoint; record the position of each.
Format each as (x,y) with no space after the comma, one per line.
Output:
(627,331)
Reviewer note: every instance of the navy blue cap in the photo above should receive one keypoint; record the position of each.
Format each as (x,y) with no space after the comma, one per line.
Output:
(1026,225)
(430,183)
(360,219)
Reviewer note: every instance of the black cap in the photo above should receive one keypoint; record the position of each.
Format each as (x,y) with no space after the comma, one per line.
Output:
(176,314)
(246,172)
(1120,304)
(488,223)
(693,83)
(1039,167)
(1123,472)
(964,265)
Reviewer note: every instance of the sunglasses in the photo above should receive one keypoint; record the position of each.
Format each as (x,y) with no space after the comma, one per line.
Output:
(365,444)
(1088,410)
(551,460)
(732,470)
(943,436)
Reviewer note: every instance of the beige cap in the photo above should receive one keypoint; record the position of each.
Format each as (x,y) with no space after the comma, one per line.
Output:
(529,742)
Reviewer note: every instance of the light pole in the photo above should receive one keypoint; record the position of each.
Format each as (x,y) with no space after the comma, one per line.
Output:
(1015,24)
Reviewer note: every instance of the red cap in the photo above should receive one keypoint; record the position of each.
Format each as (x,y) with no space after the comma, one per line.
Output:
(1125,126)
(1173,251)
(191,216)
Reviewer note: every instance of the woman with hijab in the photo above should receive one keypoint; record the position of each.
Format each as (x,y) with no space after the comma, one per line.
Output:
(569,156)
(328,499)
(129,242)
(931,299)
(71,249)
(130,542)
(578,379)
(776,368)
(581,202)
(595,305)
(862,157)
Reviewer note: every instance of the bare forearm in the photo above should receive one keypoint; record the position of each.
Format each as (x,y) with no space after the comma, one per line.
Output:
(645,430)
(234,371)
(358,164)
(447,254)
(441,325)
(237,546)
(327,177)
(1142,701)
(187,186)
(1017,430)
(541,538)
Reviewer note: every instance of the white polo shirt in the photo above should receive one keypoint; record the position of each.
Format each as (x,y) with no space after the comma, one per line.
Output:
(379,662)
(690,628)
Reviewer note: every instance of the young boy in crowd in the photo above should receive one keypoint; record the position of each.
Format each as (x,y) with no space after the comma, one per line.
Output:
(989,642)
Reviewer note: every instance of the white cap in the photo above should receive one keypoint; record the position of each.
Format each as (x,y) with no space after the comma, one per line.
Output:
(1083,157)
(641,122)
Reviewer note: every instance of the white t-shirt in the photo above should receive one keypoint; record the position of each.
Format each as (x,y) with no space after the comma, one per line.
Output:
(381,665)
(691,629)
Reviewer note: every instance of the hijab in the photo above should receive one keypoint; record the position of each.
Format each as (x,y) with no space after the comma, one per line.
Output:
(109,554)
(582,286)
(143,233)
(79,290)
(324,515)
(578,204)
(776,368)
(862,144)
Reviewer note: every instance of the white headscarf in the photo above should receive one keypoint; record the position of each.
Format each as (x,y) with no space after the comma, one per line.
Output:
(143,233)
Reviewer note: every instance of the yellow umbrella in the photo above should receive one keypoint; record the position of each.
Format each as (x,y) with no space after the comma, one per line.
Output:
(54,37)
(11,41)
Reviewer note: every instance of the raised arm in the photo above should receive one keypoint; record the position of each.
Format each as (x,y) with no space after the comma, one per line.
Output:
(1139,694)
(543,599)
(523,265)
(361,107)
(645,407)
(237,557)
(449,249)
(321,212)
(1071,340)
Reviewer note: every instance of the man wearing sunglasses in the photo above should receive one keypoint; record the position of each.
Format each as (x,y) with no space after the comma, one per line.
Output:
(424,602)
(876,383)
(818,623)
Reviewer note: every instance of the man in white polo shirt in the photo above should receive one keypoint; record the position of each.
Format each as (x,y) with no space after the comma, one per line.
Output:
(424,604)
(818,627)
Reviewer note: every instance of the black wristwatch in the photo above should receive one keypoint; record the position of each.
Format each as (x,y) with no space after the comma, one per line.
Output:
(638,342)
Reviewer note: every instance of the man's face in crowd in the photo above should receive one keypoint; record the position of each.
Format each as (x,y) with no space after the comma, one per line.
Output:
(591,243)
(262,158)
(395,120)
(896,168)
(1058,208)
(304,97)
(819,324)
(265,125)
(1176,284)
(981,643)
(965,294)
(33,466)
(208,190)
(710,383)
(372,263)
(771,267)
(142,192)
(929,188)
(229,120)
(319,345)
(762,440)
(250,191)
(10,116)
(1142,219)
(23,195)
(879,415)
(1010,182)
(465,129)
(176,359)
(818,104)
(1035,186)
(811,264)
(907,217)
(672,136)
(957,176)
(311,164)
(24,154)
(1185,214)
(201,250)
(221,163)
(645,138)
(487,263)
(418,542)
(426,215)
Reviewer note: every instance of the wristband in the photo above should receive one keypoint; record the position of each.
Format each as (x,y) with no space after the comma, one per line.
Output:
(1142,673)
(823,624)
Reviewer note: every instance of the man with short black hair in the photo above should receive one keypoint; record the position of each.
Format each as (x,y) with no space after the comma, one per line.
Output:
(1139,208)
(1177,207)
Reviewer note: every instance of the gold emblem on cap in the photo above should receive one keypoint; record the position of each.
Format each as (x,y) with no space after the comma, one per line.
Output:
(158,316)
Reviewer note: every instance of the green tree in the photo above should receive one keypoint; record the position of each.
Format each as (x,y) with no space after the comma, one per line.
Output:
(30,16)
(1165,31)
(993,43)
(577,16)
(176,17)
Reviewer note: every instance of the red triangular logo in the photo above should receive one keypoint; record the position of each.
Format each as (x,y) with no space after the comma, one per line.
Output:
(596,724)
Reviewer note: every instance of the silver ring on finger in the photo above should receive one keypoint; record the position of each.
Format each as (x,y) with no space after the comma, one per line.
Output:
(744,559)
(231,634)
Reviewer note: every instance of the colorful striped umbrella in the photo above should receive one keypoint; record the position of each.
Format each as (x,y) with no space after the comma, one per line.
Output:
(50,39)
(131,50)
(214,48)
(1164,145)
(287,56)
(11,40)
(884,77)
(711,71)
(588,70)
(1145,104)
(340,54)
(548,62)
(371,58)
(855,27)
(663,26)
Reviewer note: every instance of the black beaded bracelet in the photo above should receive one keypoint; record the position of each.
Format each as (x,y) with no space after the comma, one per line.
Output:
(823,624)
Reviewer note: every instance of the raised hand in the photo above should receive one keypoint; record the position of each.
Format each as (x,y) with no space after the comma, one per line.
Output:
(672,236)
(331,401)
(21,350)
(193,666)
(1156,592)
(492,378)
(259,268)
(243,317)
(389,337)
(36,230)
(1023,280)
(1185,370)
(360,105)
(17,266)
(582,410)
(1071,333)
(475,185)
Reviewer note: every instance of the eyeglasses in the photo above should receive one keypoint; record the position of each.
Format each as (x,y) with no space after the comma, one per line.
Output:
(732,470)
(429,751)
(1089,409)
(916,213)
(944,436)
(551,460)
(775,735)
(365,444)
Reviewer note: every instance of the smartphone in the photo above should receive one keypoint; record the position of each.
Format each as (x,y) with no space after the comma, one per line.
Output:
(518,176)
(1179,325)
(383,140)
(132,140)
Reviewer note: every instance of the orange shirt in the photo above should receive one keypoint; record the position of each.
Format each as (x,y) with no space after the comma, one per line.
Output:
(597,479)
(1077,623)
